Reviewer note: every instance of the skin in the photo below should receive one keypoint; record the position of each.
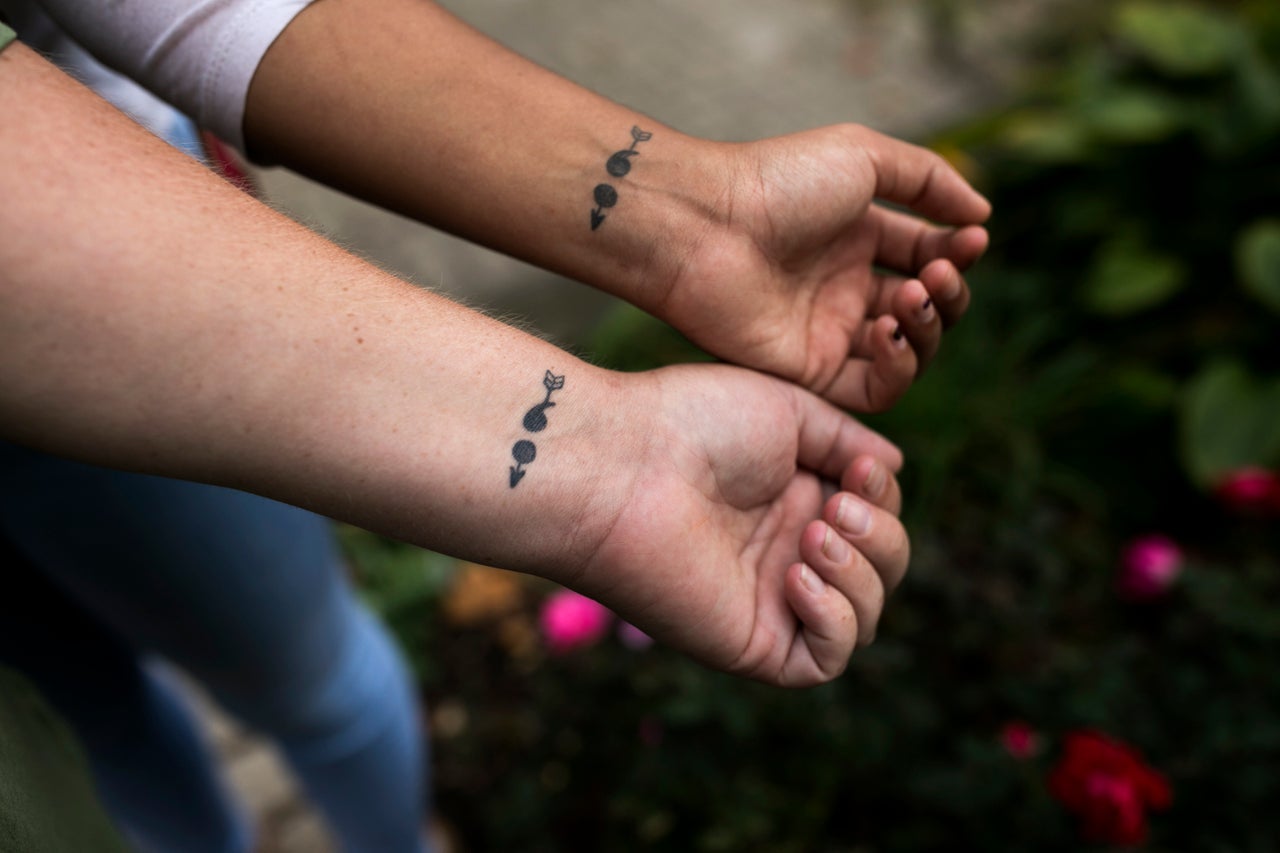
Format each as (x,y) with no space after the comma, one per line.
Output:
(776,255)
(158,320)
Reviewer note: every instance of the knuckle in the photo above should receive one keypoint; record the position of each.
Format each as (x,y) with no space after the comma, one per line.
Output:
(901,552)
(878,403)
(932,170)
(867,633)
(852,129)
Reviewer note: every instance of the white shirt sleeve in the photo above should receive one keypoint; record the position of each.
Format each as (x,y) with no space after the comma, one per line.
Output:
(199,55)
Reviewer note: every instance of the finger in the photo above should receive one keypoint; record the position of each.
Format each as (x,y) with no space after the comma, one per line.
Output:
(921,180)
(906,243)
(829,440)
(849,572)
(919,320)
(967,245)
(875,383)
(822,648)
(948,290)
(875,533)
(869,479)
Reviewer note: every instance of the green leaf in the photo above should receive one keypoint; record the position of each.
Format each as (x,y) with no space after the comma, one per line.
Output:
(1258,261)
(1132,115)
(1180,39)
(1127,277)
(1233,604)
(1259,84)
(1229,421)
(1143,386)
(1044,136)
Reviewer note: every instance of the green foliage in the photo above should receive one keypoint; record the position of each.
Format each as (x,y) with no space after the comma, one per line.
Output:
(1180,39)
(404,586)
(1258,262)
(1122,352)
(1229,422)
(1127,278)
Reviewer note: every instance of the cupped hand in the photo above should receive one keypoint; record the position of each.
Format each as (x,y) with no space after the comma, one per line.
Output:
(760,534)
(807,277)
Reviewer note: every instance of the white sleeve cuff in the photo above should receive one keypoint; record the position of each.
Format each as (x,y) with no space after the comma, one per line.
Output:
(199,55)
(210,63)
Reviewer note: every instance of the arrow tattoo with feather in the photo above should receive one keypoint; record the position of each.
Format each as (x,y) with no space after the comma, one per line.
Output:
(535,420)
(617,165)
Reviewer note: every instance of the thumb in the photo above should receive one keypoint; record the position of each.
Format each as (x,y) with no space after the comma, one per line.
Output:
(830,439)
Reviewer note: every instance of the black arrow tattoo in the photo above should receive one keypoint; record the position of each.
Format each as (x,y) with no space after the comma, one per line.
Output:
(524,452)
(535,420)
(618,165)
(606,196)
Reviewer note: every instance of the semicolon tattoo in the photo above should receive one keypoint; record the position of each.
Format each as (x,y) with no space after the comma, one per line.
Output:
(617,165)
(535,420)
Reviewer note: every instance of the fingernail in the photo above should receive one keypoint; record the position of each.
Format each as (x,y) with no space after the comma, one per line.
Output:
(853,517)
(926,312)
(875,482)
(897,333)
(810,580)
(836,549)
(924,306)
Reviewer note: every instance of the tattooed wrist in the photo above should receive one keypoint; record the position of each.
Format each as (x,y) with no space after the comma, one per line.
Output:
(525,451)
(618,165)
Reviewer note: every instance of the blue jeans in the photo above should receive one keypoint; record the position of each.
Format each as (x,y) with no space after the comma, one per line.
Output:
(107,571)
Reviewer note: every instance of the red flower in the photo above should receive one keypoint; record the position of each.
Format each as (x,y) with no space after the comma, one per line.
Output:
(1255,491)
(1019,740)
(1109,787)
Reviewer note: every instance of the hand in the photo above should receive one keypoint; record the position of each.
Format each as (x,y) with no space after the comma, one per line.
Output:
(738,542)
(787,281)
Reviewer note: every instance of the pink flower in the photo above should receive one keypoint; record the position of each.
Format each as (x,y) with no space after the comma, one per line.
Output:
(633,638)
(1148,567)
(571,621)
(1254,491)
(1019,740)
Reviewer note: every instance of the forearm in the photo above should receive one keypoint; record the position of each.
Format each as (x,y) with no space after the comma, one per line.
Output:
(398,102)
(158,320)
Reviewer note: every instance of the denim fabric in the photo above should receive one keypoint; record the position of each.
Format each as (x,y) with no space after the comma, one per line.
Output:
(108,571)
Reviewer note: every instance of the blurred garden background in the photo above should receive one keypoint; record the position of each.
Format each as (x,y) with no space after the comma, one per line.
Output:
(1085,650)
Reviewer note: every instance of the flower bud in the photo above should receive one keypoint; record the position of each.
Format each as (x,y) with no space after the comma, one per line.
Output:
(1019,740)
(1148,567)
(571,621)
(1253,491)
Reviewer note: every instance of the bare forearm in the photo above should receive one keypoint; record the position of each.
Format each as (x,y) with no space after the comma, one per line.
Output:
(154,318)
(158,320)
(773,255)
(399,102)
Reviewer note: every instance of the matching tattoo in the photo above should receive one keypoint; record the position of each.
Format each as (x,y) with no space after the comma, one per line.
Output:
(525,451)
(535,420)
(617,165)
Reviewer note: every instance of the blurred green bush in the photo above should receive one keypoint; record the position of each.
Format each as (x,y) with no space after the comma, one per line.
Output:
(1121,358)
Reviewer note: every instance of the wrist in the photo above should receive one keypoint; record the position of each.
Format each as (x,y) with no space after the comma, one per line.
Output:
(594,464)
(669,203)
(500,449)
